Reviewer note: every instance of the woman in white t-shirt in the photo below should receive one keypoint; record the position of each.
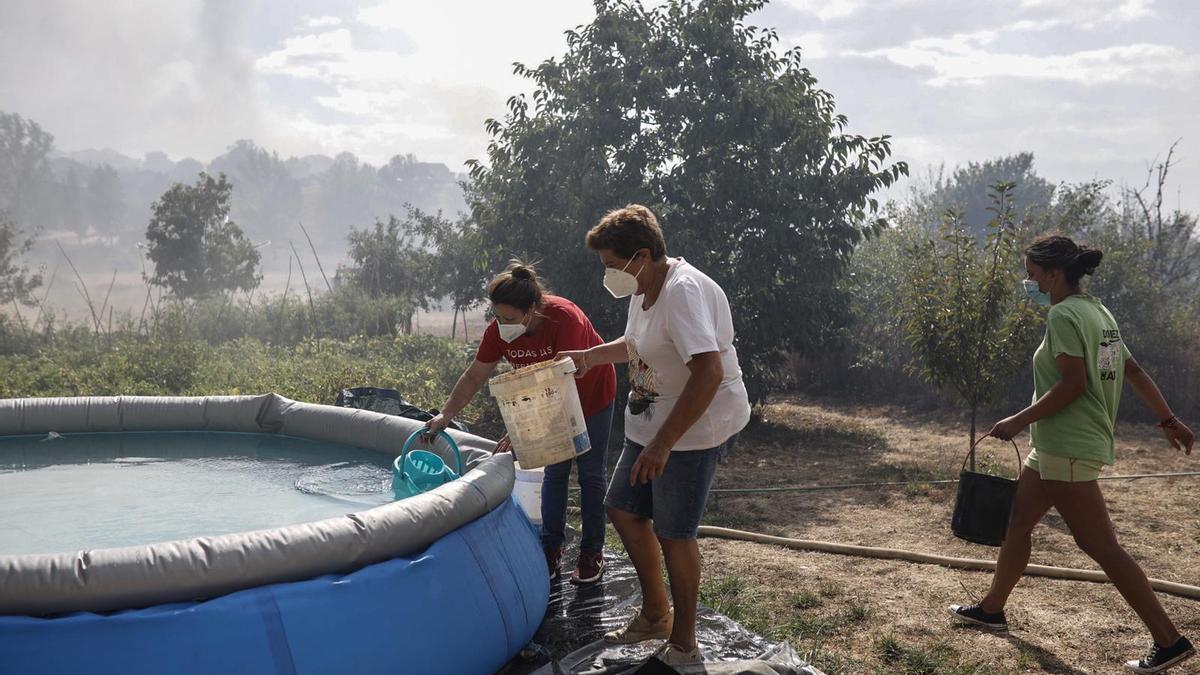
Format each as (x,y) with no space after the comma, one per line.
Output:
(686,402)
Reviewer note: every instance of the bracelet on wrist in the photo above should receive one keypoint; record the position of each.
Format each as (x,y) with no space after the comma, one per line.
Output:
(1169,423)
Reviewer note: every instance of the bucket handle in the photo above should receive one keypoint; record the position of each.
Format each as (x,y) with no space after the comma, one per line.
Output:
(422,432)
(980,440)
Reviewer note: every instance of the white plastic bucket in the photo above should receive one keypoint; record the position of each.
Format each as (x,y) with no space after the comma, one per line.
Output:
(527,490)
(541,411)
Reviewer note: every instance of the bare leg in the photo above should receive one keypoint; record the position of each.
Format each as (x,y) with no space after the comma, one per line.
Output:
(683,566)
(1029,505)
(637,534)
(1082,506)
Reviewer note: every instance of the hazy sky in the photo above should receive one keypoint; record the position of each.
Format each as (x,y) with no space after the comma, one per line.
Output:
(1095,88)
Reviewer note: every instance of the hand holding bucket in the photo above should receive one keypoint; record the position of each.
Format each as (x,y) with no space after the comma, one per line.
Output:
(542,413)
(983,503)
(417,471)
(579,359)
(503,445)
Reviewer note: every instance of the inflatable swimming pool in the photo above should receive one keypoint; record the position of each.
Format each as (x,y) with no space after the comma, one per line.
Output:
(449,581)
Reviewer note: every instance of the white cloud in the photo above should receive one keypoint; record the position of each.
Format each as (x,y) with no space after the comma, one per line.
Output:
(1037,25)
(1086,14)
(470,41)
(827,10)
(813,45)
(331,58)
(432,98)
(401,76)
(321,21)
(961,59)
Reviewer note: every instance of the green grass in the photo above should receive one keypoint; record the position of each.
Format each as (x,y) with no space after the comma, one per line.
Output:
(937,658)
(424,369)
(857,613)
(732,596)
(802,617)
(735,512)
(805,600)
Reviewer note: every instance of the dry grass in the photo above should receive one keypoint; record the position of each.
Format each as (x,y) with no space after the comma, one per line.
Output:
(863,616)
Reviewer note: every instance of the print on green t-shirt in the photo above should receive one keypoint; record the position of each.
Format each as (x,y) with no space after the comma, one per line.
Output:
(1082,327)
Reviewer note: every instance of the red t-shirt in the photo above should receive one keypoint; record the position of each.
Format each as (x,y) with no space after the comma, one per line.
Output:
(565,328)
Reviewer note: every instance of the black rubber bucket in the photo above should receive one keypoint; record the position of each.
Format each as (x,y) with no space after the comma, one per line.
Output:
(983,504)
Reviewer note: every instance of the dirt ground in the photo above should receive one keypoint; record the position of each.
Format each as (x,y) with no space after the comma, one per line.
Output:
(857,615)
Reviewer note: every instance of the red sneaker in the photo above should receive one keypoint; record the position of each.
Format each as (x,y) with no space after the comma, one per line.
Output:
(589,569)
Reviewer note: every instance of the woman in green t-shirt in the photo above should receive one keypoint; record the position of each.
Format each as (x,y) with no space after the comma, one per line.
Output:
(1078,373)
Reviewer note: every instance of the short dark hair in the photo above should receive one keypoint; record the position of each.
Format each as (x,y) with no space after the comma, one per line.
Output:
(1056,252)
(628,230)
(518,285)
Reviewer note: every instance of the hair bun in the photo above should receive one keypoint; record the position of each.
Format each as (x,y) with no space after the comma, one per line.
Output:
(1088,259)
(520,270)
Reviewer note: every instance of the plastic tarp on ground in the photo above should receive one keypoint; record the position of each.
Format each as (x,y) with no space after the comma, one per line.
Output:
(569,641)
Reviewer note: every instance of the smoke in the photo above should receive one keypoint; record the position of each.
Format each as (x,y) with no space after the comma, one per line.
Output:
(135,76)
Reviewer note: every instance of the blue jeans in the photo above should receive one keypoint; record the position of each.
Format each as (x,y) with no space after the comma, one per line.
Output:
(592,466)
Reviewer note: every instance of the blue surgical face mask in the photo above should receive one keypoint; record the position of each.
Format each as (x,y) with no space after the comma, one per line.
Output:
(1034,292)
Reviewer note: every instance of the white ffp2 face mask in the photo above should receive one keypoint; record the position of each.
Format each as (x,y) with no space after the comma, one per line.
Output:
(622,284)
(511,331)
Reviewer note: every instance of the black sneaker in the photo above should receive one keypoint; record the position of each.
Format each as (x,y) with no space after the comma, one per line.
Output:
(1161,658)
(974,615)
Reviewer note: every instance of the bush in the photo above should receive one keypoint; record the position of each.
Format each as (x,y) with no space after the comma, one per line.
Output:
(277,319)
(422,368)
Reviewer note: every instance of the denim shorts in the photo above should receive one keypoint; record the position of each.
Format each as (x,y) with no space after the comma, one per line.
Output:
(675,500)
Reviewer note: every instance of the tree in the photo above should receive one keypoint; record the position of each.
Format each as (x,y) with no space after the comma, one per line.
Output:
(196,249)
(345,195)
(17,283)
(967,192)
(1174,246)
(967,320)
(71,204)
(428,186)
(105,201)
(874,286)
(1149,280)
(459,270)
(391,262)
(689,110)
(266,199)
(24,170)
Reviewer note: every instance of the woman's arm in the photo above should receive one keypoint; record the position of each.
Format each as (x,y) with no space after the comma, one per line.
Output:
(706,374)
(609,352)
(1146,389)
(1062,394)
(1179,435)
(469,384)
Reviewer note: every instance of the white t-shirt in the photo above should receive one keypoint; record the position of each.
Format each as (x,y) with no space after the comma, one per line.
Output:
(691,316)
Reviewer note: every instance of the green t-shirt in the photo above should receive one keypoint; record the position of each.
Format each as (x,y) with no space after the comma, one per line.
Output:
(1082,327)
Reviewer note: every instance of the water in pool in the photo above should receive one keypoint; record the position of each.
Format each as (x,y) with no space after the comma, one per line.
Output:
(103,490)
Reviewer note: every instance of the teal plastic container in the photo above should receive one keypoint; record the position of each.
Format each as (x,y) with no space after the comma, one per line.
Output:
(417,471)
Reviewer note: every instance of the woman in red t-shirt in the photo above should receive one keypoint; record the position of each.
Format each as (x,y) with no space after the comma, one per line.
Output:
(532,326)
